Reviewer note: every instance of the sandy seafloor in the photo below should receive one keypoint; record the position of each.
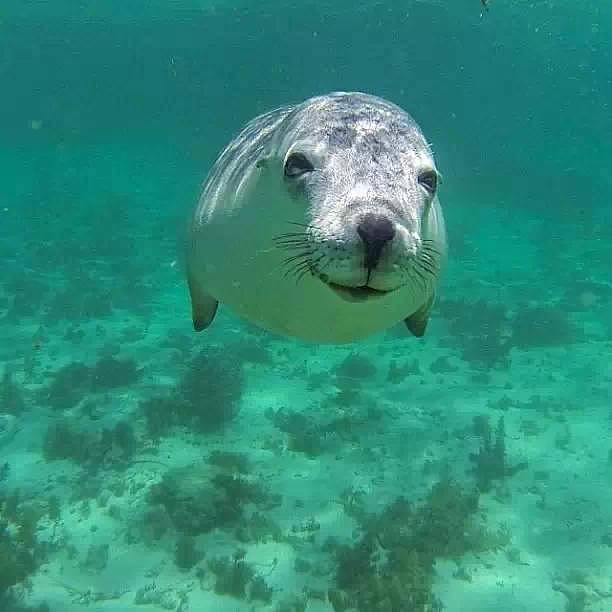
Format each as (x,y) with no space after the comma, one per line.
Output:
(552,390)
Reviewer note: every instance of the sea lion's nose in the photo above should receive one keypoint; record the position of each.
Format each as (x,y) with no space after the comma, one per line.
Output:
(375,231)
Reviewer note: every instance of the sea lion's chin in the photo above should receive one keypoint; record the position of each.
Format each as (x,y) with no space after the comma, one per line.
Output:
(362,293)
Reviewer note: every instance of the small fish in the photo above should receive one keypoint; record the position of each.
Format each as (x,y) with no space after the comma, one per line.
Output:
(485,7)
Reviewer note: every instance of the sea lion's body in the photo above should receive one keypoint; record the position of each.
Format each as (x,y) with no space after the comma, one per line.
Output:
(313,224)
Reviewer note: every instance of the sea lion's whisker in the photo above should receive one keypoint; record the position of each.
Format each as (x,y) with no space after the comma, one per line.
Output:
(304,225)
(321,269)
(292,244)
(300,269)
(419,273)
(308,265)
(298,256)
(309,229)
(296,263)
(304,250)
(426,255)
(429,248)
(291,235)
(303,273)
(293,271)
(428,266)
(292,241)
(312,266)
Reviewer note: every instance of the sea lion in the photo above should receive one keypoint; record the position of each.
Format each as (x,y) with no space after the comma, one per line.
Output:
(320,221)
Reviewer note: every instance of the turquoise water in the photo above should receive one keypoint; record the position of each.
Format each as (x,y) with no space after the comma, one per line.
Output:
(146,467)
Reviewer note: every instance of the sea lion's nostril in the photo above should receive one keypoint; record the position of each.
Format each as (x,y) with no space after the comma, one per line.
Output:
(375,231)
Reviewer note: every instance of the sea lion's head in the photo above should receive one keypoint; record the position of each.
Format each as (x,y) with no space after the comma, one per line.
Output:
(364,176)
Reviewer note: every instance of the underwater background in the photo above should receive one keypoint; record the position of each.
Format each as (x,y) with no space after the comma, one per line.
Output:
(145,467)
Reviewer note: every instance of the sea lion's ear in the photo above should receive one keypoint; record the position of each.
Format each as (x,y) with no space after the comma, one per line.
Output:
(203,305)
(417,321)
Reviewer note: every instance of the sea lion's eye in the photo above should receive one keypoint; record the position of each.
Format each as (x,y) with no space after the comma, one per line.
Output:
(429,180)
(296,165)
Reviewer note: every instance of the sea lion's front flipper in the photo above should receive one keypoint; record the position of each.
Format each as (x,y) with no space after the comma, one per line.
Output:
(203,305)
(417,321)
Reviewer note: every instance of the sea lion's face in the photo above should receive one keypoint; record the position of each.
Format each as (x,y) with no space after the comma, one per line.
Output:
(366,180)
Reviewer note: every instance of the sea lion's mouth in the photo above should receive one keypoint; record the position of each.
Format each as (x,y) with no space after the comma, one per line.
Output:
(356,294)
